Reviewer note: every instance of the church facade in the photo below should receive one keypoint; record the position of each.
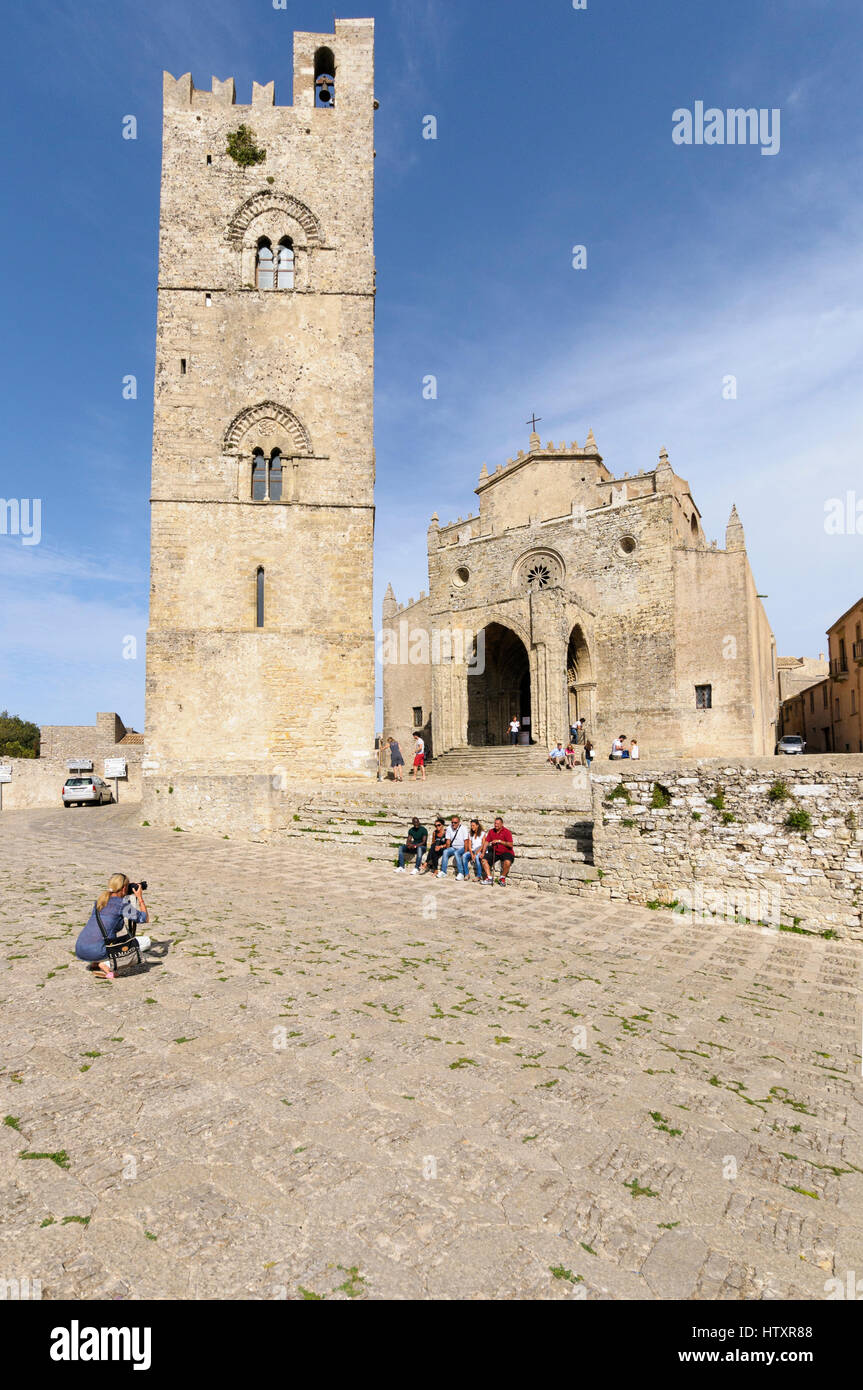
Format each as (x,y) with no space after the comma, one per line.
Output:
(572,593)
(260,652)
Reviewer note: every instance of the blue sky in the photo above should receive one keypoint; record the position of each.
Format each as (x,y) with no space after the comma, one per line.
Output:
(554,129)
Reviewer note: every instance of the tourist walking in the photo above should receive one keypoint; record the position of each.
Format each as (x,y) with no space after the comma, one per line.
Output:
(417,839)
(397,762)
(419,757)
(514,728)
(588,753)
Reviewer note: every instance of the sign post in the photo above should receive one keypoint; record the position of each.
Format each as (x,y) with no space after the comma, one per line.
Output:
(5,776)
(115,768)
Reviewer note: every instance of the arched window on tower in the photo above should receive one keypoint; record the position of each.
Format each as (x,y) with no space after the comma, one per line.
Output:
(276,476)
(264,262)
(259,476)
(259,597)
(325,78)
(285,264)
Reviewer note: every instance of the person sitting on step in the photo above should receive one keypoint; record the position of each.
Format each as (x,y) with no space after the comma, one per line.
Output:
(456,837)
(417,839)
(437,847)
(557,756)
(498,850)
(473,848)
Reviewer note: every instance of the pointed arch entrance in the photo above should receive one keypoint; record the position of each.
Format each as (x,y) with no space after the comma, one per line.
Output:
(502,689)
(580,681)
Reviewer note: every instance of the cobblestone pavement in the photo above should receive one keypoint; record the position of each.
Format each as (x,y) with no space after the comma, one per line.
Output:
(334,1081)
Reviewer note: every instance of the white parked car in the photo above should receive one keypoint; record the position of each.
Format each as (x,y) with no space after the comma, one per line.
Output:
(86,790)
(791,743)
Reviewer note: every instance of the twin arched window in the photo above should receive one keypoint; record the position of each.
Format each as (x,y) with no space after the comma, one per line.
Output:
(267,476)
(274,267)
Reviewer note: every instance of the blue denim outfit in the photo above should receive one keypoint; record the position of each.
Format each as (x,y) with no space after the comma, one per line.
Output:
(419,855)
(115,914)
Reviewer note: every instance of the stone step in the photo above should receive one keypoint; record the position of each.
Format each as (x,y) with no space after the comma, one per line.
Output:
(491,760)
(549,850)
(550,836)
(553,844)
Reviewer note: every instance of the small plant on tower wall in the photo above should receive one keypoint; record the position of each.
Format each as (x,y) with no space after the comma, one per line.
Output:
(242,147)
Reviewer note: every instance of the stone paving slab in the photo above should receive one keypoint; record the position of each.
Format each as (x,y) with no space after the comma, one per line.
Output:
(334,1081)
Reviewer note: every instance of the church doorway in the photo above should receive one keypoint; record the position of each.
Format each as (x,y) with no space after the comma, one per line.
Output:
(579,677)
(500,691)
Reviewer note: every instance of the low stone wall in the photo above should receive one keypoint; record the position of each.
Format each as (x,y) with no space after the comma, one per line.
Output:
(239,804)
(715,837)
(38,782)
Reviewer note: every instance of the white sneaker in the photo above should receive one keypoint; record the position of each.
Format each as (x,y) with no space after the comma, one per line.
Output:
(460,876)
(414,871)
(439,873)
(399,871)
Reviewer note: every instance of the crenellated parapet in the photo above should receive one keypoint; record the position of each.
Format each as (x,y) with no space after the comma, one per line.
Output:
(348,50)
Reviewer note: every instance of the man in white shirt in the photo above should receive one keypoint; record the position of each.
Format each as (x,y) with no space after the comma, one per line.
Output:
(617,747)
(457,836)
(557,756)
(514,727)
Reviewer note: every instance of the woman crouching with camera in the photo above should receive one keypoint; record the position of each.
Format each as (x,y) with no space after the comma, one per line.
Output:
(117,910)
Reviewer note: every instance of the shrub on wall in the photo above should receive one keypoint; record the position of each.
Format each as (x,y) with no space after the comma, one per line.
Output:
(242,147)
(620,793)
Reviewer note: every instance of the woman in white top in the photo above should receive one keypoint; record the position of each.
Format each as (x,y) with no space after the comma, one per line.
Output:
(633,749)
(474,850)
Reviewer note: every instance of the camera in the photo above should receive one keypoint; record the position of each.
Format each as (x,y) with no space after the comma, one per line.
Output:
(133,887)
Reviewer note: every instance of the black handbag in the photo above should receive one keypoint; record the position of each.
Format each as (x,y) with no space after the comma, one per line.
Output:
(119,949)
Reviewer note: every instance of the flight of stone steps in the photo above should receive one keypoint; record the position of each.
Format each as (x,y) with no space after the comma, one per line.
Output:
(554,846)
(493,761)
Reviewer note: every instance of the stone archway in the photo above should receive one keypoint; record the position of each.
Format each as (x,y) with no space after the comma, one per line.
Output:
(580,680)
(502,689)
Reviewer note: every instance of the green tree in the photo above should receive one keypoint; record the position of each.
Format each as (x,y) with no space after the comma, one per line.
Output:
(18,737)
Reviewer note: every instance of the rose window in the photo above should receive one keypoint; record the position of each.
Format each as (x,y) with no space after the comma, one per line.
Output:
(539,575)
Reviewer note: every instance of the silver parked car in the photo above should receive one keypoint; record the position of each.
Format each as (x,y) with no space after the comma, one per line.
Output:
(86,790)
(791,743)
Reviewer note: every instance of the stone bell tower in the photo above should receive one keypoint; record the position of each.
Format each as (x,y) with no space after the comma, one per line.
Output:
(260,656)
